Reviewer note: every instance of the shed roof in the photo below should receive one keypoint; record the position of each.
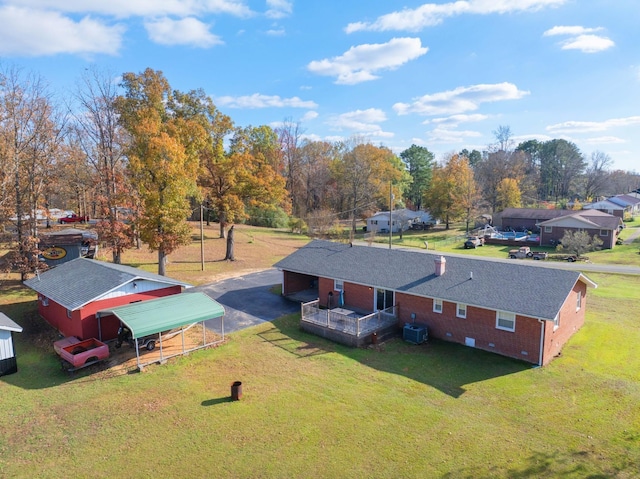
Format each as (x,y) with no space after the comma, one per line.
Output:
(591,219)
(81,281)
(162,314)
(7,324)
(527,290)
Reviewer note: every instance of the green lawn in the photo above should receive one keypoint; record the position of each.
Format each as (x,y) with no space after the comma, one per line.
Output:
(312,408)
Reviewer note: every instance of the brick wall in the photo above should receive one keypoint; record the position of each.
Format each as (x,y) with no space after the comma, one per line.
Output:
(294,282)
(356,295)
(480,324)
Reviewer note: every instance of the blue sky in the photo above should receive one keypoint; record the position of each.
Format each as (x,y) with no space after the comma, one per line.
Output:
(443,75)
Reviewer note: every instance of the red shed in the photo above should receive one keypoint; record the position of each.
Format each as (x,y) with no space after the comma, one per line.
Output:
(70,294)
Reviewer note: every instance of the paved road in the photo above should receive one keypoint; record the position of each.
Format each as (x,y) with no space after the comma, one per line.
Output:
(248,301)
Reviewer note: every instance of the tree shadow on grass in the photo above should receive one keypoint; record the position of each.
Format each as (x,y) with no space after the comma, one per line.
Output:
(448,367)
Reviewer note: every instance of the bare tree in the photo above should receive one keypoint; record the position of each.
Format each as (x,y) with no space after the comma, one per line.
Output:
(596,174)
(101,138)
(29,138)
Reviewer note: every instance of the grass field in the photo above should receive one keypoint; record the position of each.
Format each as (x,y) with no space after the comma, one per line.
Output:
(312,408)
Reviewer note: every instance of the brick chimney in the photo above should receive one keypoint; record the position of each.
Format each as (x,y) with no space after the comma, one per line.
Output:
(440,265)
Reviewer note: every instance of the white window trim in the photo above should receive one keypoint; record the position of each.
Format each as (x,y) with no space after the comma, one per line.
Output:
(548,229)
(604,232)
(437,306)
(338,285)
(579,301)
(458,314)
(504,318)
(44,300)
(556,322)
(69,314)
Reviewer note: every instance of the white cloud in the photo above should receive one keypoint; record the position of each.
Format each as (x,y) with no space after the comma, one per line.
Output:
(581,38)
(430,14)
(455,120)
(35,32)
(310,115)
(276,32)
(279,8)
(588,43)
(602,140)
(460,100)
(360,63)
(445,135)
(263,101)
(187,31)
(361,122)
(138,8)
(593,126)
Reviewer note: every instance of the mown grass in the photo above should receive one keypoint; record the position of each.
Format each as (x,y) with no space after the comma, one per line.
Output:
(314,408)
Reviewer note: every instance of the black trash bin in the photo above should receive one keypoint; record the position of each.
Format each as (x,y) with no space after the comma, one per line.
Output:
(236,391)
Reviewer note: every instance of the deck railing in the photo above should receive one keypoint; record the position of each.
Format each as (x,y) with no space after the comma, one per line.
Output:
(348,322)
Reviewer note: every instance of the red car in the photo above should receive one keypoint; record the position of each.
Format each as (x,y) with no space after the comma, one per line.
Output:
(73,218)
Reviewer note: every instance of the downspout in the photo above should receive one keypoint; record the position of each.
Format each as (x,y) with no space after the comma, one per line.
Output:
(542,325)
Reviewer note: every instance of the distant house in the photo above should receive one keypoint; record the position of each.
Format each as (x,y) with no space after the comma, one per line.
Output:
(513,309)
(520,219)
(596,223)
(70,294)
(607,206)
(402,219)
(629,202)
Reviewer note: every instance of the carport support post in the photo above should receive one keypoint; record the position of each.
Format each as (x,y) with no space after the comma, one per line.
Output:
(202,236)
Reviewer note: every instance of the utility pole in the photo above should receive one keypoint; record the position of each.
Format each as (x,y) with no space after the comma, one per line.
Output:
(390,214)
(201,236)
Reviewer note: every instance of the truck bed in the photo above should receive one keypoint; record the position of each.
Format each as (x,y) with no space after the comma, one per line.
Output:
(81,353)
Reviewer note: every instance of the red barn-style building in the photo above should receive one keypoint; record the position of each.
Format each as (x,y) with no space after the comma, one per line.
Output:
(70,294)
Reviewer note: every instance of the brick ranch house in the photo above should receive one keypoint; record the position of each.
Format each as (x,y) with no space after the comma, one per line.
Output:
(527,312)
(70,294)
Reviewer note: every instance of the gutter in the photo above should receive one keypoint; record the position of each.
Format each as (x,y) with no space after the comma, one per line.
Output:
(542,325)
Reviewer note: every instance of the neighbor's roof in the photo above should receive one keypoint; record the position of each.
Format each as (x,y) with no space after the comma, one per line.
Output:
(533,213)
(507,286)
(162,314)
(7,324)
(610,205)
(81,281)
(590,218)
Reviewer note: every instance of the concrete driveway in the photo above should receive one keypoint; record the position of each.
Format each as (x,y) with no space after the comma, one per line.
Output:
(247,300)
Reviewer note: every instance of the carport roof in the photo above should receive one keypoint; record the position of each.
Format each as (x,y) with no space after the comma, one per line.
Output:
(162,314)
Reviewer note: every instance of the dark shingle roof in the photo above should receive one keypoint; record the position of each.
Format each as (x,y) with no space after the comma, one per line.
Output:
(80,281)
(507,286)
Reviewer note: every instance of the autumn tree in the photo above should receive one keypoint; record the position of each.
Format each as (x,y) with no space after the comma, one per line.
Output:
(596,174)
(363,173)
(163,153)
(508,194)
(317,187)
(452,195)
(419,163)
(289,136)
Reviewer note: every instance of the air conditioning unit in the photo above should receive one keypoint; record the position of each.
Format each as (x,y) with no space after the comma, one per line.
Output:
(414,334)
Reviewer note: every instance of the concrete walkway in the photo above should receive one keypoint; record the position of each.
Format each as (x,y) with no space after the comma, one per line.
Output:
(633,236)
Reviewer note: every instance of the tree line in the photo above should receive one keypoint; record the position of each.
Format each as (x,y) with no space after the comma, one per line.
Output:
(143,157)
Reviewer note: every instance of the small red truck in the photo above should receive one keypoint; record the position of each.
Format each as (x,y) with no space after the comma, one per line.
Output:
(73,218)
(77,354)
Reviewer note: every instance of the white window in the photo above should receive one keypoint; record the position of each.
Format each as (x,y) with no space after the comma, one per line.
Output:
(461,310)
(505,321)
(604,232)
(437,306)
(556,322)
(338,285)
(44,300)
(579,301)
(548,229)
(69,313)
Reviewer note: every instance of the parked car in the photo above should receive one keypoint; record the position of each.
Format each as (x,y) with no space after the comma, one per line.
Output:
(73,218)
(473,242)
